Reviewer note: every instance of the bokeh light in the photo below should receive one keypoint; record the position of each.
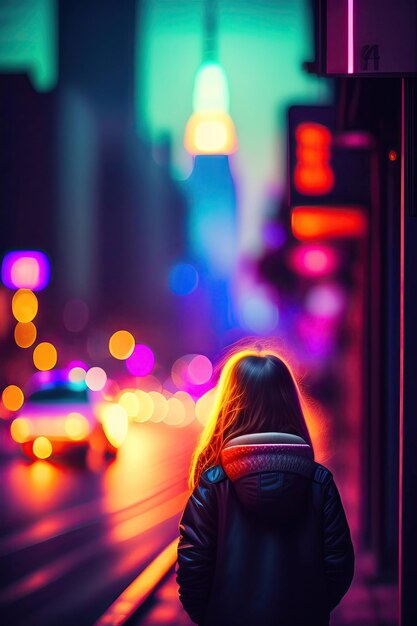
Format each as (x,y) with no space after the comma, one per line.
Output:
(189,406)
(12,397)
(160,406)
(326,300)
(176,412)
(121,344)
(183,279)
(312,223)
(314,260)
(179,371)
(200,369)
(24,305)
(204,406)
(76,426)
(115,423)
(211,91)
(42,447)
(146,406)
(111,389)
(149,383)
(259,314)
(45,356)
(25,334)
(96,378)
(20,429)
(77,374)
(25,269)
(210,132)
(141,361)
(313,174)
(130,402)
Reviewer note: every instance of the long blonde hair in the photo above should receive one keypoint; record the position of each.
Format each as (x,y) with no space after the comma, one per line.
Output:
(256,392)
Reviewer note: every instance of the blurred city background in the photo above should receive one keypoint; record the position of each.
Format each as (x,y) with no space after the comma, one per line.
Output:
(176,177)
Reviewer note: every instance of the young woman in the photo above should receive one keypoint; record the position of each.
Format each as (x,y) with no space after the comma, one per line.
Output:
(264,539)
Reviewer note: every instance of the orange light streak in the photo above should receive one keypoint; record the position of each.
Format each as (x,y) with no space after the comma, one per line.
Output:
(140,589)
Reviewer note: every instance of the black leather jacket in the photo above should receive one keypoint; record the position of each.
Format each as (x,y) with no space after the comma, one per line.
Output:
(264,538)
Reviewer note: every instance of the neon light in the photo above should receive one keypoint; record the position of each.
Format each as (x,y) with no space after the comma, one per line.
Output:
(211,92)
(210,132)
(314,259)
(401,366)
(350,36)
(309,222)
(313,174)
(25,269)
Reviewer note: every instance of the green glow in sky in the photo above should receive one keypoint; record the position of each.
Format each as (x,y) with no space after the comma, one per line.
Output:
(211,92)
(262,45)
(28,40)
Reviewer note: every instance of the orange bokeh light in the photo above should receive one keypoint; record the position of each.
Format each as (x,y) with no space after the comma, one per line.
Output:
(42,448)
(25,334)
(24,305)
(76,426)
(309,223)
(12,397)
(45,356)
(121,344)
(20,430)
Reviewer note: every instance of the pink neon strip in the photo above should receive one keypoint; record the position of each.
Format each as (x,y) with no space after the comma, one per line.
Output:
(350,36)
(401,411)
(268,445)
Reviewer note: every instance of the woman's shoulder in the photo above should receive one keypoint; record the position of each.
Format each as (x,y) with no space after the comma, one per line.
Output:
(214,474)
(322,474)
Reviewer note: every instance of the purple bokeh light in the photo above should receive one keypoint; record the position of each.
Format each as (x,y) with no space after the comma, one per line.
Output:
(25,269)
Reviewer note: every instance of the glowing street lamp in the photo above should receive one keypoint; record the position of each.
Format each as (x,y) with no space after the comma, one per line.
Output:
(210,129)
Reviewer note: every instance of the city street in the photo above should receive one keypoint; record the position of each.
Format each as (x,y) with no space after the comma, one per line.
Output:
(72,540)
(208,233)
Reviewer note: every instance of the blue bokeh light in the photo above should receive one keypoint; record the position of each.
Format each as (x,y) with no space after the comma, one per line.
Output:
(183,279)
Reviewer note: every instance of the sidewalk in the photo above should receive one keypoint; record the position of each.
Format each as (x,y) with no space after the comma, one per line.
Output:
(166,608)
(363,605)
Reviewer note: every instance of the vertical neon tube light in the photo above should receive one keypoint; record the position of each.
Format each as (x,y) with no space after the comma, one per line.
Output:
(401,398)
(350,36)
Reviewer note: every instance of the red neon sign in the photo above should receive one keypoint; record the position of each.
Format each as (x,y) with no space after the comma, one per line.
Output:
(310,222)
(313,174)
